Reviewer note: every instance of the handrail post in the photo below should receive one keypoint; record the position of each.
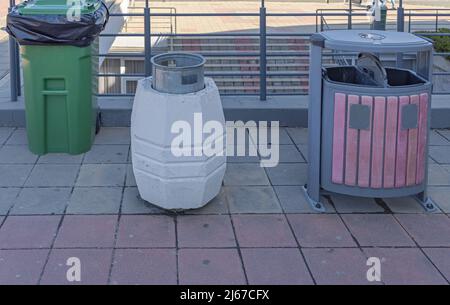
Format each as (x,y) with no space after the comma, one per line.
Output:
(350,11)
(401,17)
(147,40)
(437,21)
(14,63)
(262,53)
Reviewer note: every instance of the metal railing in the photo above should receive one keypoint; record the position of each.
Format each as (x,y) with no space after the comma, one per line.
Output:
(263,54)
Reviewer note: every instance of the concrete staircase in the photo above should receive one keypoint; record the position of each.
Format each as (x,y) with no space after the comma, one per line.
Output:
(218,66)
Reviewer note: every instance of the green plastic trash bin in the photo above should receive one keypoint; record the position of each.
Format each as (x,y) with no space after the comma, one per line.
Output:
(61,112)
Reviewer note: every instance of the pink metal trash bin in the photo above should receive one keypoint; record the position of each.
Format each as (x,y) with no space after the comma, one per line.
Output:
(369,121)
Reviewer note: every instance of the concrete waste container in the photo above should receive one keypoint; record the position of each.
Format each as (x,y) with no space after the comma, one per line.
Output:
(177,98)
(368,124)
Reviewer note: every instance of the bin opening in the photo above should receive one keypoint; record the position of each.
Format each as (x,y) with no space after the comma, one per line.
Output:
(349,75)
(398,77)
(353,75)
(178,61)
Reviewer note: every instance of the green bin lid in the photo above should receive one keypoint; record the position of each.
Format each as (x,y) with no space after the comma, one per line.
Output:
(56,7)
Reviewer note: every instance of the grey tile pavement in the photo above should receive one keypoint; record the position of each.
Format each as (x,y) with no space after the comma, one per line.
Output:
(254,199)
(56,175)
(35,201)
(107,154)
(245,174)
(17,154)
(101,175)
(95,200)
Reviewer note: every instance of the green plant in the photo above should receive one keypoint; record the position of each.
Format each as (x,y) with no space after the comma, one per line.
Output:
(442,43)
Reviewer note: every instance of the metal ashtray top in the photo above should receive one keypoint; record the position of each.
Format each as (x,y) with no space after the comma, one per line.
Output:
(178,73)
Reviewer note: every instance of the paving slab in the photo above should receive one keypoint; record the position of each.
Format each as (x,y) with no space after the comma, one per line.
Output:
(101,175)
(292,200)
(283,138)
(436,138)
(303,148)
(18,137)
(353,204)
(263,231)
(441,154)
(438,175)
(53,175)
(60,158)
(107,154)
(404,205)
(428,230)
(132,203)
(245,174)
(7,199)
(5,133)
(14,174)
(26,232)
(298,135)
(210,267)
(87,231)
(146,231)
(205,231)
(130,180)
(95,200)
(320,230)
(405,267)
(440,196)
(440,258)
(17,154)
(288,174)
(254,199)
(286,154)
(337,266)
(113,135)
(41,201)
(275,266)
(21,267)
(377,231)
(95,265)
(144,266)
(217,206)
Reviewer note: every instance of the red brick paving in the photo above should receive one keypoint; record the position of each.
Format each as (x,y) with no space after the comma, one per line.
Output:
(144,266)
(149,231)
(21,267)
(95,266)
(405,267)
(377,231)
(263,231)
(210,267)
(320,231)
(205,231)
(428,230)
(82,231)
(275,267)
(20,232)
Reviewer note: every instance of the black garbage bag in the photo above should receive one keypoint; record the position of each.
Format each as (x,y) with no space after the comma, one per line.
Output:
(56,29)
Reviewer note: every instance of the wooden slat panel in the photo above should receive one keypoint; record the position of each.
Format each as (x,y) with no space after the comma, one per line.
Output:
(365,146)
(390,142)
(351,155)
(378,142)
(338,138)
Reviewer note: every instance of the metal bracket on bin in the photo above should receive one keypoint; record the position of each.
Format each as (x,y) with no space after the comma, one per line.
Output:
(315,205)
(426,202)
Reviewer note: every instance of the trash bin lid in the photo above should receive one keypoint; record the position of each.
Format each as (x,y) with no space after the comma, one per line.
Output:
(372,41)
(56,7)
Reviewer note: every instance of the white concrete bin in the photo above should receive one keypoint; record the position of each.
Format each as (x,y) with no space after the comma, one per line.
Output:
(163,176)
